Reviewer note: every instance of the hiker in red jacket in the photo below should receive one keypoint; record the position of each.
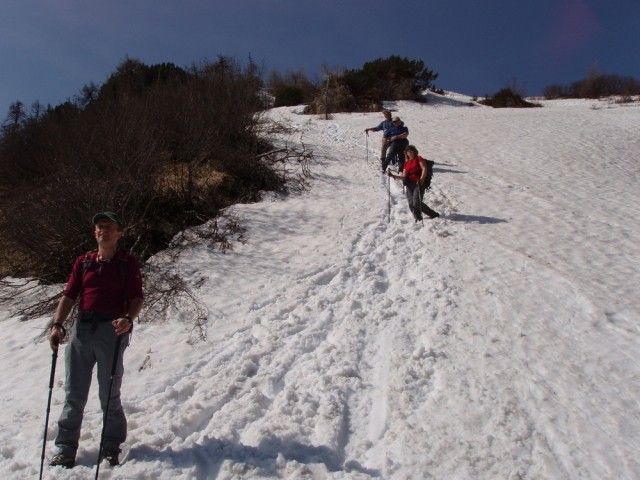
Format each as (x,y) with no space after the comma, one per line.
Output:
(414,176)
(109,287)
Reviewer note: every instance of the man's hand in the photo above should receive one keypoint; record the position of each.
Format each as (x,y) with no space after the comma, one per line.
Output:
(57,335)
(122,325)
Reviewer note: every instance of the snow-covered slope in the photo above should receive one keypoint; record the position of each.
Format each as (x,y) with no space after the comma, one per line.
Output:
(499,341)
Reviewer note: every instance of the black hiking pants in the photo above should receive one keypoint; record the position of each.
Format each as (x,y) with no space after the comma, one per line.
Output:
(415,196)
(395,149)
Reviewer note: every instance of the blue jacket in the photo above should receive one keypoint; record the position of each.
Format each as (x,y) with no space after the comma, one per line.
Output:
(385,125)
(397,131)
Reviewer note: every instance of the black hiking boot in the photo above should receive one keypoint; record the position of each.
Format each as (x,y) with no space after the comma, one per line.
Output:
(64,461)
(111,456)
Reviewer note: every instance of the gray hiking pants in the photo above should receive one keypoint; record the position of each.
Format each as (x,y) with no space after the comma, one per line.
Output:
(91,343)
(396,150)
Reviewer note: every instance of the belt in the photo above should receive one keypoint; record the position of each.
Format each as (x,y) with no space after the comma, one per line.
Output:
(90,317)
(94,318)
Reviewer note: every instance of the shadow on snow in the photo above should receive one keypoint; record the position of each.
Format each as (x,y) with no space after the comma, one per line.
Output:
(456,217)
(209,456)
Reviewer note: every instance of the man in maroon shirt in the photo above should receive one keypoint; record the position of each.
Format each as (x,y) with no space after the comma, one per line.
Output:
(109,286)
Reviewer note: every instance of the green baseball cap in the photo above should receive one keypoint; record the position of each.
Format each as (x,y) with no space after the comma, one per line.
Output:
(108,215)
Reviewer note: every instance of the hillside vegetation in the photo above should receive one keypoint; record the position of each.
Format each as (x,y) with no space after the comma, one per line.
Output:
(164,146)
(595,85)
(364,89)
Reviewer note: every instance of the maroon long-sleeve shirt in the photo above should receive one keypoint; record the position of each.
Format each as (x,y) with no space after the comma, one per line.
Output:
(100,285)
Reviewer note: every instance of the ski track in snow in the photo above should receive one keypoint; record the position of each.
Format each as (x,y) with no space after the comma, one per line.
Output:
(342,345)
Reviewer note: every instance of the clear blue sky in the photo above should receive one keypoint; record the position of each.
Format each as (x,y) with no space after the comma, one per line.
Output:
(49,49)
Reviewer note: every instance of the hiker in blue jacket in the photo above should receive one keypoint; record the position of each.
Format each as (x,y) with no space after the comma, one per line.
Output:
(385,126)
(396,137)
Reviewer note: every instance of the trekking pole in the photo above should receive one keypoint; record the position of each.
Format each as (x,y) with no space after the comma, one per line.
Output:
(366,142)
(418,186)
(389,192)
(404,187)
(106,410)
(54,359)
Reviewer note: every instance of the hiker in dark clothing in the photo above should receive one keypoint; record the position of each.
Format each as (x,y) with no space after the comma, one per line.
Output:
(385,126)
(396,137)
(414,176)
(109,287)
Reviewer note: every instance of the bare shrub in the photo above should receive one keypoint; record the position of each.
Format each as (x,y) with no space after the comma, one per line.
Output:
(291,88)
(169,295)
(336,98)
(507,98)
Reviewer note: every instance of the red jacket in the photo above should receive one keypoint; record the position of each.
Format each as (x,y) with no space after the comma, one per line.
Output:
(413,170)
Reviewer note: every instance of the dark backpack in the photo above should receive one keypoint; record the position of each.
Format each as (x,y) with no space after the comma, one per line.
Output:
(429,177)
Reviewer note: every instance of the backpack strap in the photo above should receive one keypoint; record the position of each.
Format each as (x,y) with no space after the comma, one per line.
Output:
(86,263)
